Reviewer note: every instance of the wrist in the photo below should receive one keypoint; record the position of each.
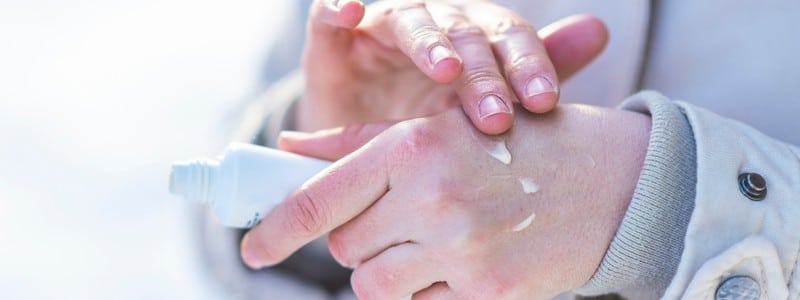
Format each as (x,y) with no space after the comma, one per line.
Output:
(596,157)
(647,247)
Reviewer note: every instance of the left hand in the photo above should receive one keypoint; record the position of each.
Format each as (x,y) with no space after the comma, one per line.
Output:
(401,59)
(423,209)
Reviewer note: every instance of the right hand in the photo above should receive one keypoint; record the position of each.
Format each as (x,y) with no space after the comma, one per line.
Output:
(396,60)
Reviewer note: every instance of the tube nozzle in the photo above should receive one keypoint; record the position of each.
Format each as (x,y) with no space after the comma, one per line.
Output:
(192,179)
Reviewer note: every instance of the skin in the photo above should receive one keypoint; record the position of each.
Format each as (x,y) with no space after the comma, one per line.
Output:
(396,60)
(422,209)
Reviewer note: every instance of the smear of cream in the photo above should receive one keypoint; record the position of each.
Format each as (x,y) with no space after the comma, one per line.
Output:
(524,224)
(500,152)
(528,185)
(495,146)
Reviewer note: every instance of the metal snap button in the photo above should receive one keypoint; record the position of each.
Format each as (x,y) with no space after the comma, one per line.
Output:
(738,288)
(753,186)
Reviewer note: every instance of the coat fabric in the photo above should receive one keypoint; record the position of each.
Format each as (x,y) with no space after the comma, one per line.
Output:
(728,234)
(728,237)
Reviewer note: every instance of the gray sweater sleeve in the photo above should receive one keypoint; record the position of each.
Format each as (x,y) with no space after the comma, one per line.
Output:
(644,255)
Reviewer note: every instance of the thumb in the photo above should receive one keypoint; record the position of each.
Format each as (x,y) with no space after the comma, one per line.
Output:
(331,144)
(573,42)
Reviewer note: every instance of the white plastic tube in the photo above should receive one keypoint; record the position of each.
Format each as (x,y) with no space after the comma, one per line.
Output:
(244,183)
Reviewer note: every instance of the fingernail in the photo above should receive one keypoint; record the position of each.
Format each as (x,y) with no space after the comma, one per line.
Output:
(439,53)
(538,86)
(249,254)
(492,105)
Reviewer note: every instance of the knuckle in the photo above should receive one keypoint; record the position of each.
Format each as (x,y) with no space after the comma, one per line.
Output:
(482,77)
(512,25)
(462,245)
(464,30)
(307,216)
(426,36)
(423,35)
(524,65)
(445,195)
(468,242)
(414,137)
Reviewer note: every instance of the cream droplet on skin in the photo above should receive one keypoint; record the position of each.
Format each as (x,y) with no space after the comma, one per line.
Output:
(500,152)
(528,185)
(524,224)
(494,145)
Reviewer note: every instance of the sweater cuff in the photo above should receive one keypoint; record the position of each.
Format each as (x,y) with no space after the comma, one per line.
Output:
(645,252)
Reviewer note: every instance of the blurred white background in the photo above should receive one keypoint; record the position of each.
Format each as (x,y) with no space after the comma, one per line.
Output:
(97,97)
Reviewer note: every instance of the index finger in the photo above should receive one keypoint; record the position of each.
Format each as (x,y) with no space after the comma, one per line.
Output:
(522,53)
(409,26)
(329,199)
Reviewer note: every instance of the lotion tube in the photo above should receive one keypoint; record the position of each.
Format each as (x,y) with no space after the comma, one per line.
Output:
(244,183)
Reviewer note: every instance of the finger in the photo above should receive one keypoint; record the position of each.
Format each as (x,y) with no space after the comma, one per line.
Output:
(332,197)
(484,93)
(331,22)
(373,231)
(573,42)
(521,53)
(331,144)
(397,272)
(438,290)
(409,26)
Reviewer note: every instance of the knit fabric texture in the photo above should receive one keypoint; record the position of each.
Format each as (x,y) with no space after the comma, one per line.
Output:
(644,254)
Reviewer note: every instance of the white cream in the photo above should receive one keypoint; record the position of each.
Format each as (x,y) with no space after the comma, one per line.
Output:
(528,185)
(495,146)
(524,224)
(500,152)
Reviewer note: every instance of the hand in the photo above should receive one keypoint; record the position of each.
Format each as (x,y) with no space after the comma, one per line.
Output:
(424,208)
(396,60)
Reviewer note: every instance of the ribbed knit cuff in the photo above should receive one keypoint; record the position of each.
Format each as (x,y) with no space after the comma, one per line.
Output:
(644,255)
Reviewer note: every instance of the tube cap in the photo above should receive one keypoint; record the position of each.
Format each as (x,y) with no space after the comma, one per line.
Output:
(192,179)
